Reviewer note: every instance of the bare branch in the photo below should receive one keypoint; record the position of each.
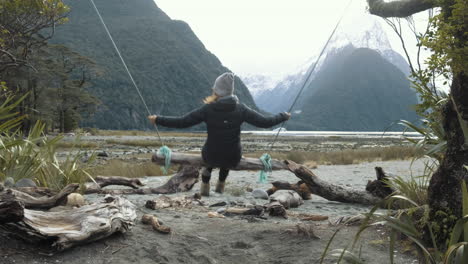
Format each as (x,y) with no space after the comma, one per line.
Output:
(401,8)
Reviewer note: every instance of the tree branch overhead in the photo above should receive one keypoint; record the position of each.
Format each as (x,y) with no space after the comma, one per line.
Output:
(400,8)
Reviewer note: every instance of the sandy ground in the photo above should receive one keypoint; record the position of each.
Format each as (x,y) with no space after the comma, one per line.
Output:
(199,239)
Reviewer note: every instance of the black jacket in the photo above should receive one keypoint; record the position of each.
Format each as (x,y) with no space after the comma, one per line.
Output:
(223,119)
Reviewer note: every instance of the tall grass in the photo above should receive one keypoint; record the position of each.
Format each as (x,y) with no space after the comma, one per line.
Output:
(454,252)
(128,169)
(33,155)
(344,157)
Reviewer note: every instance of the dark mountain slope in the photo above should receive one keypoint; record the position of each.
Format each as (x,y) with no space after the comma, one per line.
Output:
(355,91)
(169,63)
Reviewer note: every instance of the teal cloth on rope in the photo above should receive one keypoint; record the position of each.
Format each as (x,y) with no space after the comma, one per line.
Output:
(166,152)
(263,176)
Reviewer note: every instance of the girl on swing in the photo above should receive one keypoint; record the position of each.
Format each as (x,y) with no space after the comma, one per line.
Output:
(223,115)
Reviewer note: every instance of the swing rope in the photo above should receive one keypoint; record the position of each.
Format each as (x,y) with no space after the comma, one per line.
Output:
(164,150)
(262,178)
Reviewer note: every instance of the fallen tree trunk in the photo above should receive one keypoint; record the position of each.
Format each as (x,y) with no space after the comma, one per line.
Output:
(197,161)
(103,181)
(330,191)
(183,181)
(43,202)
(11,210)
(71,227)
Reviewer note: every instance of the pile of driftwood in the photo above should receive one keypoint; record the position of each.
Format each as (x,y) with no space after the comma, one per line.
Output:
(375,191)
(31,213)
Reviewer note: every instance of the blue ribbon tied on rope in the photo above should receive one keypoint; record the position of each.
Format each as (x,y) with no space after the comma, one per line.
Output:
(266,161)
(166,152)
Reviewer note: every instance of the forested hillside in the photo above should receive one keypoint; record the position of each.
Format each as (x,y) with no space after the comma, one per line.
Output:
(169,63)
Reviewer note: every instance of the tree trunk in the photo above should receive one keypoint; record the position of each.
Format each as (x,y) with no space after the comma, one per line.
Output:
(103,181)
(181,182)
(444,193)
(44,202)
(197,161)
(71,227)
(329,191)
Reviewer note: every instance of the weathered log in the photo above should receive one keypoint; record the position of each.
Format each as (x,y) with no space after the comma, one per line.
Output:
(71,227)
(330,191)
(197,161)
(152,220)
(36,191)
(103,181)
(287,198)
(43,202)
(11,210)
(380,186)
(300,187)
(183,181)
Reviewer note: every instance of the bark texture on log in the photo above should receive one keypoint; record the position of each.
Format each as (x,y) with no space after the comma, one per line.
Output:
(43,202)
(379,187)
(71,227)
(401,8)
(10,210)
(197,161)
(182,181)
(103,181)
(330,191)
(300,187)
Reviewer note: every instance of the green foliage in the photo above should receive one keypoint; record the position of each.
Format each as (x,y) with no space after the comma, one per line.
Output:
(34,155)
(448,39)
(403,223)
(26,25)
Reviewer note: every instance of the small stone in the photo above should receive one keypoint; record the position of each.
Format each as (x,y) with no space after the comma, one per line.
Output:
(25,182)
(103,154)
(260,194)
(221,210)
(9,182)
(75,200)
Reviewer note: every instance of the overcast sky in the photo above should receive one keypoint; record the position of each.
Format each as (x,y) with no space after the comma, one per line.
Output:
(267,36)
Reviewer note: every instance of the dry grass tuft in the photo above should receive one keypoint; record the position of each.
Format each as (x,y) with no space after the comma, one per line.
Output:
(128,169)
(136,143)
(78,145)
(344,157)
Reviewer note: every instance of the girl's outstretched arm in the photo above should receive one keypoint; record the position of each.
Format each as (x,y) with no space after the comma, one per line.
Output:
(193,118)
(255,118)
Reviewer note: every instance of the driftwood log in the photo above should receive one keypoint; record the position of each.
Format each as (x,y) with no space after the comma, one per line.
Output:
(197,161)
(11,210)
(70,227)
(380,186)
(103,181)
(330,191)
(300,187)
(44,202)
(182,181)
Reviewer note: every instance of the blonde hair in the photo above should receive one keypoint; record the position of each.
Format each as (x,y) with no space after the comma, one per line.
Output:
(211,99)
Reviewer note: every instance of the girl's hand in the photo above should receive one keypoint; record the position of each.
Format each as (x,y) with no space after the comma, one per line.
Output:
(288,115)
(152,119)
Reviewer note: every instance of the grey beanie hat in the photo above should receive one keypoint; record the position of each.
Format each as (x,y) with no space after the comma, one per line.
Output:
(224,84)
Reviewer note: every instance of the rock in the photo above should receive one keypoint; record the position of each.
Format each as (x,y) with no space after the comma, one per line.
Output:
(287,198)
(25,182)
(9,182)
(221,210)
(260,194)
(75,200)
(215,215)
(218,204)
(103,154)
